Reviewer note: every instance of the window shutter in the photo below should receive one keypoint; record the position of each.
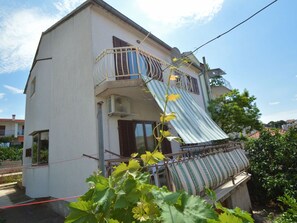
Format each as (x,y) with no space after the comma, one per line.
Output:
(195,87)
(120,58)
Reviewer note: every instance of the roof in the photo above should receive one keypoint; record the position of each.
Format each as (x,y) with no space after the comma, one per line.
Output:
(12,120)
(113,11)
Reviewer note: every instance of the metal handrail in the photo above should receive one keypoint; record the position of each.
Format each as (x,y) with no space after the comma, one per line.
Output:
(131,62)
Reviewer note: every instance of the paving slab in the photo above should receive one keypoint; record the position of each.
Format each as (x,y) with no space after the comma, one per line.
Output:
(39,213)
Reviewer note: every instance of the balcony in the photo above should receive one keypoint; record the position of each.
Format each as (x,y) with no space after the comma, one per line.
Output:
(219,86)
(122,67)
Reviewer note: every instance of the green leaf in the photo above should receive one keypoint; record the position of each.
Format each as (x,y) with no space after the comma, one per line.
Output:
(133,165)
(167,117)
(192,209)
(120,170)
(80,212)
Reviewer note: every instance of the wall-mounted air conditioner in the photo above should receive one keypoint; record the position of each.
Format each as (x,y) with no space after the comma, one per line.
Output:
(119,106)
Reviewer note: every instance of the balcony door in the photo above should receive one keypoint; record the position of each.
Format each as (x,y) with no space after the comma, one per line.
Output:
(129,64)
(138,137)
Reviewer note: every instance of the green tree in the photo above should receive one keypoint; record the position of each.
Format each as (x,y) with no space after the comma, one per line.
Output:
(273,164)
(235,111)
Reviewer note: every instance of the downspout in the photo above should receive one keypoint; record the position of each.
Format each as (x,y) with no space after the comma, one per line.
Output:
(101,165)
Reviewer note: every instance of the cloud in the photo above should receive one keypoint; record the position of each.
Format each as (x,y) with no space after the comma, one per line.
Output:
(2,95)
(1,110)
(177,13)
(20,32)
(274,103)
(283,115)
(66,6)
(13,90)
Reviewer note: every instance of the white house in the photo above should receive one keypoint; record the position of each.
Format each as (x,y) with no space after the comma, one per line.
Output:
(12,127)
(87,94)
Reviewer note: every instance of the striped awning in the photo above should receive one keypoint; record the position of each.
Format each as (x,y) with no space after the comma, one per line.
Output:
(192,123)
(195,174)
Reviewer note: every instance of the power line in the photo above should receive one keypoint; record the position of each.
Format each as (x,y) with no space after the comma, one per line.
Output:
(234,27)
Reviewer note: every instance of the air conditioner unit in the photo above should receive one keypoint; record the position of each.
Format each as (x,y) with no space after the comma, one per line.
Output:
(118,106)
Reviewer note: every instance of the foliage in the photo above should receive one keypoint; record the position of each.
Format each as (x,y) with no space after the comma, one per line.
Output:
(235,112)
(127,196)
(6,139)
(276,124)
(273,164)
(10,153)
(216,81)
(290,215)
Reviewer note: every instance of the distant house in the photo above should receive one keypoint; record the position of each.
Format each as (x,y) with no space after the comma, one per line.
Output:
(14,128)
(87,101)
(218,84)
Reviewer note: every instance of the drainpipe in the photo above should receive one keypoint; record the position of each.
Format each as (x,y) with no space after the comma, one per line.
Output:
(101,165)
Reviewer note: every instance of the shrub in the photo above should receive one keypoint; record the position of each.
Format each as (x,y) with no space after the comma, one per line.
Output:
(273,164)
(11,153)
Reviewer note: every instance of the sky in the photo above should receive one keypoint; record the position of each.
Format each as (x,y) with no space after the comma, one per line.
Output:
(260,55)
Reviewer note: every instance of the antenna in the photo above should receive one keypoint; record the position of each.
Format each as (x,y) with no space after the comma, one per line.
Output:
(175,56)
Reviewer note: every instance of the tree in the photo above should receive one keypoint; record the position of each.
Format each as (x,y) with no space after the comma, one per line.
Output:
(235,112)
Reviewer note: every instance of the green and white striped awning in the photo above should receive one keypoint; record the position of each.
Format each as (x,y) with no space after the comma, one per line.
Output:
(195,174)
(192,123)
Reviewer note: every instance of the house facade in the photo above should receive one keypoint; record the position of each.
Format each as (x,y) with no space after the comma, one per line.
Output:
(12,127)
(95,92)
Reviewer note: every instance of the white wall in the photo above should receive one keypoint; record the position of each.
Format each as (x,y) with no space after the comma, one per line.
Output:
(64,103)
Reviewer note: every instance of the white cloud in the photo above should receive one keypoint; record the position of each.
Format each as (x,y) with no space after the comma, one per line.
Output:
(274,103)
(13,90)
(65,6)
(20,32)
(175,13)
(284,115)
(2,95)
(1,110)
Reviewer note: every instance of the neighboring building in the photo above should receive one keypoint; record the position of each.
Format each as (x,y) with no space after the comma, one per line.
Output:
(289,124)
(218,84)
(14,128)
(87,94)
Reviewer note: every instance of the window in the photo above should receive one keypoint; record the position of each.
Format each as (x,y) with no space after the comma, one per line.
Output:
(40,148)
(33,86)
(137,136)
(195,87)
(2,130)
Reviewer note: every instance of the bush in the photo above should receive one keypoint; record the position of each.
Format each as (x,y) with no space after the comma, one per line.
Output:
(11,153)
(273,164)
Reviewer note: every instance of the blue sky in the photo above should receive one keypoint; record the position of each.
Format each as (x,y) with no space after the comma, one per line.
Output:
(260,56)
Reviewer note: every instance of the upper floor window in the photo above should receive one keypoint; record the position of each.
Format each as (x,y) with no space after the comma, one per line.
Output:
(32,86)
(40,148)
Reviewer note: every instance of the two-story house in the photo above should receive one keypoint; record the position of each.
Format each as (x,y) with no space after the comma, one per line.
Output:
(96,87)
(14,128)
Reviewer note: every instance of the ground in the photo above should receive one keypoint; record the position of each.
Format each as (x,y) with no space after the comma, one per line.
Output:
(10,194)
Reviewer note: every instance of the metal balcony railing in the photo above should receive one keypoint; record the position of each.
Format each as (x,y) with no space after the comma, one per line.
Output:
(130,63)
(219,81)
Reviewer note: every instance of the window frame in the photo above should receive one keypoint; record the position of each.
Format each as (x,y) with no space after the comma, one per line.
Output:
(37,135)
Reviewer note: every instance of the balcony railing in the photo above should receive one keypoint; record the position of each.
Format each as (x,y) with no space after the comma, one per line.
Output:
(130,63)
(11,132)
(219,81)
